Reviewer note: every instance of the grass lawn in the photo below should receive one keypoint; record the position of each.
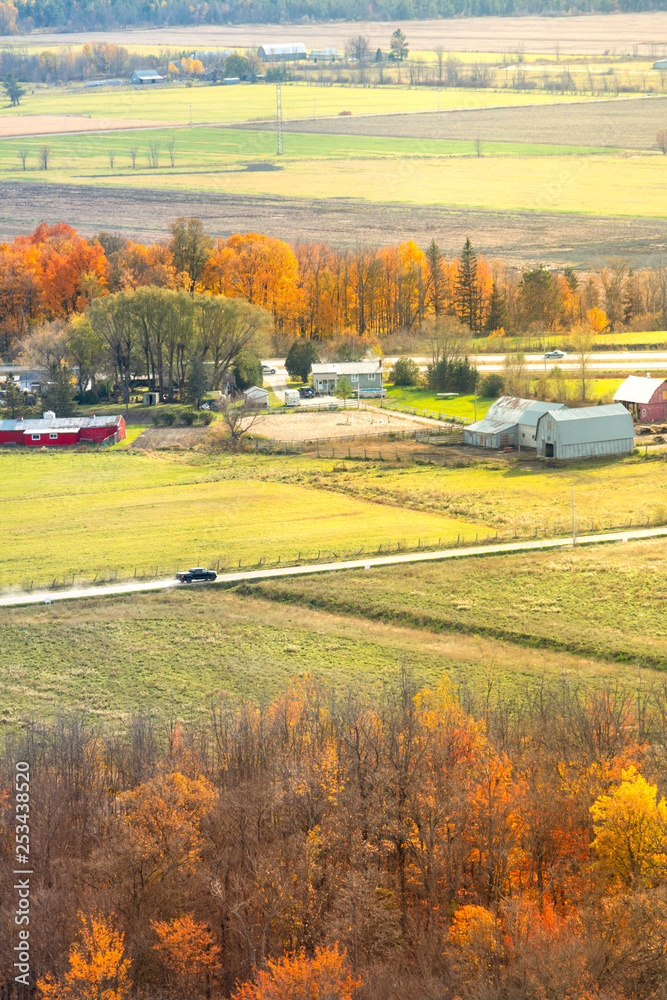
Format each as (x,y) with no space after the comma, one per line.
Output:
(604,601)
(84,513)
(175,654)
(461,406)
(178,103)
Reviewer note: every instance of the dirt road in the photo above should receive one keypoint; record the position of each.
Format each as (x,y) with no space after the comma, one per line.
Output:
(519,238)
(12,600)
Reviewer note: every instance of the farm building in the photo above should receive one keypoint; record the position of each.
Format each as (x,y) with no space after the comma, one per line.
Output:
(325,55)
(365,377)
(586,433)
(29,379)
(255,396)
(144,76)
(645,398)
(660,64)
(282,53)
(50,431)
(509,422)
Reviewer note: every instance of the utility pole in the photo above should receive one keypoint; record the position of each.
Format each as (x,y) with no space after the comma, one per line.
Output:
(574,528)
(475,402)
(279,119)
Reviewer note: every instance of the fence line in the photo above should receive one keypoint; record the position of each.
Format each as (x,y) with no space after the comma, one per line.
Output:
(224,563)
(296,447)
(418,411)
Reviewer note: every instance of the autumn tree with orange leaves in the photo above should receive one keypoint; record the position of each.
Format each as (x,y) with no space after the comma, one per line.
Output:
(97,970)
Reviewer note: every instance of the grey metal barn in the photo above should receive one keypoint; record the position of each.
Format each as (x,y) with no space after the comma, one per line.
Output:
(510,421)
(586,433)
(283,52)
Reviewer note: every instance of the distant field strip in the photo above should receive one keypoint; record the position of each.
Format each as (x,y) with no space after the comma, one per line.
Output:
(251,102)
(607,603)
(613,123)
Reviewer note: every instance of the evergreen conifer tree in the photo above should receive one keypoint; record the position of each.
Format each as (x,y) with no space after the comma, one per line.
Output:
(497,316)
(467,290)
(14,405)
(59,394)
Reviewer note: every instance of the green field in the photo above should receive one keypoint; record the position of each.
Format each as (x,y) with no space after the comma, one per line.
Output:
(178,103)
(177,654)
(80,514)
(603,601)
(461,406)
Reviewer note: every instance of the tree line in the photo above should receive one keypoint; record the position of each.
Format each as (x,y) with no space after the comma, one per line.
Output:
(162,303)
(423,843)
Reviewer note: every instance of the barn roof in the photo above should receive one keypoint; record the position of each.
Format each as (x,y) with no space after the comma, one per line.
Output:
(592,424)
(59,423)
(487,426)
(520,411)
(284,49)
(638,389)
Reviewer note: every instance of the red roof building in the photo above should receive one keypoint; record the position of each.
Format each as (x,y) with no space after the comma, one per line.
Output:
(50,431)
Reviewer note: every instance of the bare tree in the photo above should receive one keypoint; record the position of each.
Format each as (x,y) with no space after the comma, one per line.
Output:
(357,47)
(239,417)
(515,379)
(23,156)
(112,157)
(171,150)
(582,343)
(154,153)
(439,53)
(661,140)
(133,156)
(46,346)
(449,339)
(612,277)
(44,153)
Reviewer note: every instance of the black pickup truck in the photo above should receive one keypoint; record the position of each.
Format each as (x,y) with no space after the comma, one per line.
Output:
(196,575)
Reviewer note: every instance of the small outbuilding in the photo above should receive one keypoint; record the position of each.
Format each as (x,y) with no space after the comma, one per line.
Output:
(282,53)
(150,398)
(144,76)
(255,396)
(644,397)
(590,432)
(509,422)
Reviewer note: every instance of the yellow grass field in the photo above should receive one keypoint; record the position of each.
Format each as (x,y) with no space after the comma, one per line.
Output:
(605,185)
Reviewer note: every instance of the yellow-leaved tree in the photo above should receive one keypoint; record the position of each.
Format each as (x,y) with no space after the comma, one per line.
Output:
(97,968)
(631,831)
(299,977)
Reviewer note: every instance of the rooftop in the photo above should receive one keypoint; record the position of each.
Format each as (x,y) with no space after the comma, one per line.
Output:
(638,389)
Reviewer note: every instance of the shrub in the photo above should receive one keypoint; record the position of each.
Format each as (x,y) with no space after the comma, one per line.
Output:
(405,372)
(207,417)
(168,418)
(188,417)
(492,386)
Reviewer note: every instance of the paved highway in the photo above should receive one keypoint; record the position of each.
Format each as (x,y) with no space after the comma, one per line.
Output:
(132,587)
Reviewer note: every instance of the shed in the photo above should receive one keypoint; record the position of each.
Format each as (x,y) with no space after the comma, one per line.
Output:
(660,64)
(509,421)
(590,432)
(282,53)
(146,76)
(255,396)
(150,398)
(644,397)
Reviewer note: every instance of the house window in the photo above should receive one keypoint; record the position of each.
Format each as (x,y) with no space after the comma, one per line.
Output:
(53,437)
(35,437)
(370,377)
(643,413)
(354,378)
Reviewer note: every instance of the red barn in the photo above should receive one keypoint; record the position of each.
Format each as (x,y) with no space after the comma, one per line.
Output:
(51,431)
(645,398)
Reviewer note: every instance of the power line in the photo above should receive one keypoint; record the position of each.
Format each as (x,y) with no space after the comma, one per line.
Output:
(279,119)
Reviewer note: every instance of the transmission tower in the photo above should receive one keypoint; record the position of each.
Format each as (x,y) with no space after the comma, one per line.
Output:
(279,119)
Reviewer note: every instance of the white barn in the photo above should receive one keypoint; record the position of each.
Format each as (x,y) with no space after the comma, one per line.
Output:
(590,432)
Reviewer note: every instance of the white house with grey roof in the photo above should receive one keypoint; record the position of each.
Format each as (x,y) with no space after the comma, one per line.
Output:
(364,376)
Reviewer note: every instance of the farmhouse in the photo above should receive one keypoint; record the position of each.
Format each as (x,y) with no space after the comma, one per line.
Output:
(29,379)
(645,398)
(509,422)
(49,431)
(281,53)
(365,377)
(586,433)
(143,76)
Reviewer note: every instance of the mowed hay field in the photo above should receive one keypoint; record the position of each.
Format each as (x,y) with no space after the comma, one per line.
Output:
(78,514)
(181,653)
(625,123)
(607,601)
